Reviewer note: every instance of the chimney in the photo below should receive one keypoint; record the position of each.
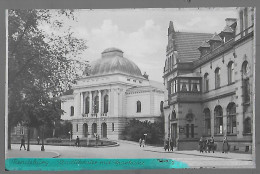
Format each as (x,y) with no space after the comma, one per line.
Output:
(230,21)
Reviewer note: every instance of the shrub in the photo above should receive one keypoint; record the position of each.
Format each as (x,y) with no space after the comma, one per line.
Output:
(53,140)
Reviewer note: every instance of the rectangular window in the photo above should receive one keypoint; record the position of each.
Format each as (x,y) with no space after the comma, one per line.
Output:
(77,127)
(241,22)
(246,20)
(187,130)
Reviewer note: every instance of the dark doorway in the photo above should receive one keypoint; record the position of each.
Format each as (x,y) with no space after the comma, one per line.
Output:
(174,133)
(104,130)
(94,129)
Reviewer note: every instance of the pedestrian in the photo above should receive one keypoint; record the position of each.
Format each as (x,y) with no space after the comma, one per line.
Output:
(22,143)
(143,142)
(171,145)
(77,141)
(225,147)
(212,144)
(201,144)
(140,142)
(167,143)
(207,145)
(38,140)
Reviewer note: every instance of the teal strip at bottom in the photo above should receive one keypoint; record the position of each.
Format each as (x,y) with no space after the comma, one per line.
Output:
(69,164)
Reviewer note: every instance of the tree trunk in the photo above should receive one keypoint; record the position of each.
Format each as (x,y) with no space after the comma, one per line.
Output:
(9,137)
(28,138)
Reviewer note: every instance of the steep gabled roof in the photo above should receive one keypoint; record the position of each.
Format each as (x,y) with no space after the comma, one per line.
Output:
(187,45)
(228,29)
(215,37)
(204,45)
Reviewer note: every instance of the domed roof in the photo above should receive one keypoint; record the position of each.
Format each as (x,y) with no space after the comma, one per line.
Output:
(112,61)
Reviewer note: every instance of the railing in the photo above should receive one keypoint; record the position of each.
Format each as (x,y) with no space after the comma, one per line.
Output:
(94,115)
(104,114)
(84,115)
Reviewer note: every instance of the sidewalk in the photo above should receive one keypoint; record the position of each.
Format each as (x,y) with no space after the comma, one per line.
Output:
(230,155)
(33,153)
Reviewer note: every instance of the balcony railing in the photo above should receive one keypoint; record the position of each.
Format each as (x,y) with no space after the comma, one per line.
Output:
(104,114)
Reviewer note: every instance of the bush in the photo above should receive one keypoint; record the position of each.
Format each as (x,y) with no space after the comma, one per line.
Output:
(136,130)
(53,140)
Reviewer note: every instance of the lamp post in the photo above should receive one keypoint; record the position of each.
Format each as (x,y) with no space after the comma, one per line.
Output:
(70,137)
(42,147)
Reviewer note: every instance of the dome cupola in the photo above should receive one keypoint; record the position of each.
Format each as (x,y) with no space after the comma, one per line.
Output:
(112,61)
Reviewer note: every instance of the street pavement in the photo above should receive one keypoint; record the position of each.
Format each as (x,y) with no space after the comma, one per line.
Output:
(131,150)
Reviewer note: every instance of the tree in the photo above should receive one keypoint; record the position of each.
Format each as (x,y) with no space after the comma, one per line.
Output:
(41,66)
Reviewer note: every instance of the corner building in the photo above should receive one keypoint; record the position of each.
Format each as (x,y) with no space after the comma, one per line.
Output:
(114,92)
(209,83)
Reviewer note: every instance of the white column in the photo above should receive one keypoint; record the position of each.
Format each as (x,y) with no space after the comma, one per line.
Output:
(90,103)
(109,102)
(77,105)
(81,103)
(99,105)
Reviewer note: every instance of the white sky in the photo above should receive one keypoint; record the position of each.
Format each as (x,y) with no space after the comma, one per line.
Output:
(142,33)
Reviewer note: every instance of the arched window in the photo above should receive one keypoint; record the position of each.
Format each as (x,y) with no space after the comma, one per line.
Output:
(113,127)
(218,114)
(231,119)
(106,104)
(96,104)
(247,125)
(217,78)
(231,72)
(246,83)
(206,82)
(87,105)
(207,122)
(71,111)
(138,106)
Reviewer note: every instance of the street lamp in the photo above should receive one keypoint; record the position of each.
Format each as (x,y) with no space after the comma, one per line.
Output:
(42,147)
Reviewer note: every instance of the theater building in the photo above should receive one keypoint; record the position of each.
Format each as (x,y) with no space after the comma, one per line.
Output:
(113,92)
(209,84)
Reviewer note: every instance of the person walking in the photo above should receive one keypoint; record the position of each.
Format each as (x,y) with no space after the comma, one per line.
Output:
(143,142)
(201,144)
(38,140)
(77,141)
(225,145)
(140,142)
(22,143)
(212,144)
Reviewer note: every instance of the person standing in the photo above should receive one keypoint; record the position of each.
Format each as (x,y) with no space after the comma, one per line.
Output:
(171,144)
(77,141)
(22,143)
(38,140)
(225,145)
(143,142)
(140,142)
(201,144)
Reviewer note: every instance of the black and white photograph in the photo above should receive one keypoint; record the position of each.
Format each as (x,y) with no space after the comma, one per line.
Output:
(144,83)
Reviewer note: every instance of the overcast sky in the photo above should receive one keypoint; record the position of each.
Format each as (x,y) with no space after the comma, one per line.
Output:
(142,33)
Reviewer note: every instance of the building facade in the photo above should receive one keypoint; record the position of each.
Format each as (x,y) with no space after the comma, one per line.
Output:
(113,92)
(209,83)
